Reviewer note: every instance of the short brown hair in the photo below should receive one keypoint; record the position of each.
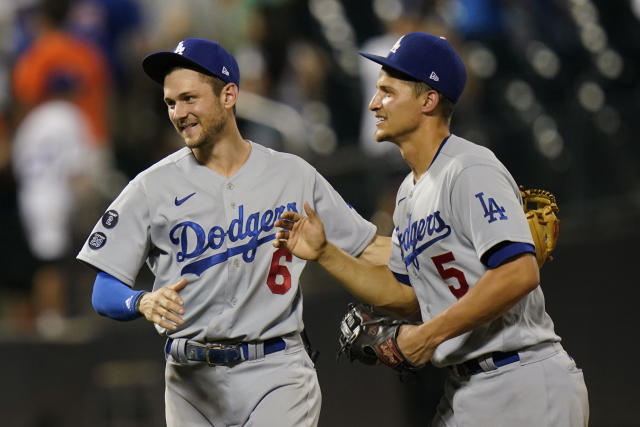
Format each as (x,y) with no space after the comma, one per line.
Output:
(216,83)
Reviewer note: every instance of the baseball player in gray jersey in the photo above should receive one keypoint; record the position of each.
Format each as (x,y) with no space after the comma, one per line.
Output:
(463,245)
(229,303)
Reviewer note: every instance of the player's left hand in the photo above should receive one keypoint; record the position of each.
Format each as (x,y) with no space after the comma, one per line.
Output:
(411,343)
(302,235)
(164,307)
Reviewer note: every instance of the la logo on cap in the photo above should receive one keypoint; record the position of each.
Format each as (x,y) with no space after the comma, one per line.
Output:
(397,45)
(179,49)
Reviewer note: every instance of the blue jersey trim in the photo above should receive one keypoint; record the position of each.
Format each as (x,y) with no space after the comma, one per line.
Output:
(444,141)
(497,255)
(112,298)
(402,278)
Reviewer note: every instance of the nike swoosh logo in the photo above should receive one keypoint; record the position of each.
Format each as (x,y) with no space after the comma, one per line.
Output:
(178,202)
(400,201)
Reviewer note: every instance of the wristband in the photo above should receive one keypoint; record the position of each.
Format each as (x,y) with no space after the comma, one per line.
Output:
(136,304)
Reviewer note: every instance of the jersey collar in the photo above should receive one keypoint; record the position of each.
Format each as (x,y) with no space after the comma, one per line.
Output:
(446,138)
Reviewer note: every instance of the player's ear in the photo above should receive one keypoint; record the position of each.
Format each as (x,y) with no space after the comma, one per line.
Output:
(430,100)
(229,95)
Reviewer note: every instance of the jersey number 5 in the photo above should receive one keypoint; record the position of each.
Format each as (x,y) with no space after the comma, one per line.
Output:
(277,269)
(446,273)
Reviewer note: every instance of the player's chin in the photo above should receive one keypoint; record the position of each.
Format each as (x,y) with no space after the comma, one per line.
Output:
(193,141)
(380,135)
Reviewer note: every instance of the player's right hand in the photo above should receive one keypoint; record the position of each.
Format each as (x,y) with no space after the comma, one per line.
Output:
(164,307)
(302,235)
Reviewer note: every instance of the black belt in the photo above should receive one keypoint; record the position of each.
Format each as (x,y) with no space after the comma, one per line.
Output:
(474,366)
(226,354)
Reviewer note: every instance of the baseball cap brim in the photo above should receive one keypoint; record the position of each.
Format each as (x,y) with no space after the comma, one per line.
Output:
(158,64)
(385,62)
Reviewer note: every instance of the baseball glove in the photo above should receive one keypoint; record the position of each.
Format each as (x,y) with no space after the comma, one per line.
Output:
(541,211)
(370,337)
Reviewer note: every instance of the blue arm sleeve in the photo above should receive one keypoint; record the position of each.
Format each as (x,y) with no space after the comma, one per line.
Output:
(114,299)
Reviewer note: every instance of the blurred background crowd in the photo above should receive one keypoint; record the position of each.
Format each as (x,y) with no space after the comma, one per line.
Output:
(553,89)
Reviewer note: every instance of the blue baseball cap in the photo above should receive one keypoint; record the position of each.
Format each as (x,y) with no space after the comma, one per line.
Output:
(202,55)
(427,58)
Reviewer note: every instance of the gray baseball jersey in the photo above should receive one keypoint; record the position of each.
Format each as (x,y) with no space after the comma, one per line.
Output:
(185,220)
(466,203)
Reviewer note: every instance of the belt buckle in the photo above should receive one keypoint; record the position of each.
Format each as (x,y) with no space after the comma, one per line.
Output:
(225,349)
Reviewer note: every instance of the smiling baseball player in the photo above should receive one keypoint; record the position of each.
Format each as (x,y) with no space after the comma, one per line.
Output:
(463,245)
(202,219)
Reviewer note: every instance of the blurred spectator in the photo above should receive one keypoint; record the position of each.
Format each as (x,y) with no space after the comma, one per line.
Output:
(61,149)
(303,86)
(50,160)
(112,25)
(223,20)
(479,19)
(55,50)
(256,79)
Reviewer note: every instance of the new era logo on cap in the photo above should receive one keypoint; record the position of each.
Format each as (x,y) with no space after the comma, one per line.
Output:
(225,71)
(434,76)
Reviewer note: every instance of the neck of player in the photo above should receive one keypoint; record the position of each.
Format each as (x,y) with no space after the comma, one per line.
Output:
(420,148)
(226,154)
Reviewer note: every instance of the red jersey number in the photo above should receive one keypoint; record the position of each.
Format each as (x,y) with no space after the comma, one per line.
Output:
(451,272)
(277,269)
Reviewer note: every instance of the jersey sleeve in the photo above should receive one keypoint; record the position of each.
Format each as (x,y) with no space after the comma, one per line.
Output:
(396,263)
(119,242)
(343,225)
(486,205)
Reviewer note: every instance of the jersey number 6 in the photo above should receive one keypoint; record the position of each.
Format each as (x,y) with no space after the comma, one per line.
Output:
(447,273)
(277,269)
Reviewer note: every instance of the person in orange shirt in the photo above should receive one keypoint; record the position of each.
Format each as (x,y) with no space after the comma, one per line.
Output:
(55,50)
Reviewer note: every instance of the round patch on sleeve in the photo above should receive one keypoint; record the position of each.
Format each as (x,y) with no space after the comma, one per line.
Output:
(97,240)
(110,218)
